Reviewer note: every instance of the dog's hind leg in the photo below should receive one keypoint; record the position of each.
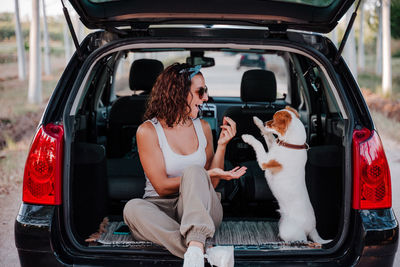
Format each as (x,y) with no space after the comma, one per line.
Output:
(314,236)
(289,231)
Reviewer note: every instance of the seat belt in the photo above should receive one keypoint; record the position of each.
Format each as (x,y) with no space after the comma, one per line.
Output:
(316,85)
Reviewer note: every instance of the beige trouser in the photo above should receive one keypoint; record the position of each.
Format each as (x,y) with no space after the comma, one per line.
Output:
(174,221)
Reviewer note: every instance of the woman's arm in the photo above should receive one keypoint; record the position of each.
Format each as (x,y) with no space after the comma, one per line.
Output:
(152,160)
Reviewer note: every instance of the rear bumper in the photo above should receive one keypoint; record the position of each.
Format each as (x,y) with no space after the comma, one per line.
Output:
(374,244)
(381,231)
(32,232)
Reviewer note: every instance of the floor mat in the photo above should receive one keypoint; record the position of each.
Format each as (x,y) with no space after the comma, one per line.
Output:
(261,234)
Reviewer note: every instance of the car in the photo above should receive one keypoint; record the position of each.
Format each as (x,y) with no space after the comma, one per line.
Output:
(252,60)
(83,164)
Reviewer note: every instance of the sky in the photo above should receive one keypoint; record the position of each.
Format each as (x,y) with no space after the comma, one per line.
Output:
(53,7)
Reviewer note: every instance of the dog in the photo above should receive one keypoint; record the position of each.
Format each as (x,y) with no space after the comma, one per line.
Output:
(284,167)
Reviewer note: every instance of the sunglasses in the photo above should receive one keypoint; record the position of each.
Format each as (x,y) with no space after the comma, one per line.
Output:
(202,91)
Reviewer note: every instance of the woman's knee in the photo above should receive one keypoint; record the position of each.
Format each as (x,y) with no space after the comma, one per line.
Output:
(132,208)
(194,172)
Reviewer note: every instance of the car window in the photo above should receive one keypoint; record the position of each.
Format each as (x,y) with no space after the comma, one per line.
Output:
(223,79)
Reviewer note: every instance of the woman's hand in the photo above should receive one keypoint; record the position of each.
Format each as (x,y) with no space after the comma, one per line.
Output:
(228,131)
(235,173)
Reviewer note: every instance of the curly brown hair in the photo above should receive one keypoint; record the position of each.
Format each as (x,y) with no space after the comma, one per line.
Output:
(168,98)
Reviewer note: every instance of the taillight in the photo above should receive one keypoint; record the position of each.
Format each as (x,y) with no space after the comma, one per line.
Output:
(371,174)
(43,168)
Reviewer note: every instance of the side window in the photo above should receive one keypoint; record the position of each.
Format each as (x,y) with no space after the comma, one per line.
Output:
(278,66)
(121,76)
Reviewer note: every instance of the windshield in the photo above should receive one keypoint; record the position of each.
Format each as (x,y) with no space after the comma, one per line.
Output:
(222,79)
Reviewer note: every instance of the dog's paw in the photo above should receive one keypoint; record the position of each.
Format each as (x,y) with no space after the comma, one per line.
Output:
(258,122)
(247,138)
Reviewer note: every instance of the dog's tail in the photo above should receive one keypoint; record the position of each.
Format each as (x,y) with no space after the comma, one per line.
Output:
(314,236)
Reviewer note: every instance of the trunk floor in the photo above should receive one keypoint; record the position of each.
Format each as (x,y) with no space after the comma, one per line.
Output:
(241,234)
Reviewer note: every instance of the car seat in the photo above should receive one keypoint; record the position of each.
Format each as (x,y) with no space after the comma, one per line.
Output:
(126,113)
(258,92)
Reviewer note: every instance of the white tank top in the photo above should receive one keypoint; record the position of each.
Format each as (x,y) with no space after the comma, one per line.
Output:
(175,163)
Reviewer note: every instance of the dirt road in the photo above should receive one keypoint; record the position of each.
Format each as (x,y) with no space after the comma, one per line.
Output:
(9,205)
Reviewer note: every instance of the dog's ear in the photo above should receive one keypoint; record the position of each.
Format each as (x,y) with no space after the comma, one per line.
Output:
(293,110)
(280,122)
(268,128)
(269,123)
(273,166)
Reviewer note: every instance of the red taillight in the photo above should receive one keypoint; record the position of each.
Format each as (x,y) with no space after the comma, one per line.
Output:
(42,176)
(371,174)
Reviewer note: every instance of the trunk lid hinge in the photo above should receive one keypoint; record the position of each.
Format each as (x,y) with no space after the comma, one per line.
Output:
(346,34)
(71,29)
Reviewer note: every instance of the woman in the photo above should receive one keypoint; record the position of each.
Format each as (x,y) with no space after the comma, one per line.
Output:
(180,208)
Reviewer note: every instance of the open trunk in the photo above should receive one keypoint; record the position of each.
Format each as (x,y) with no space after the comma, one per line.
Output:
(105,170)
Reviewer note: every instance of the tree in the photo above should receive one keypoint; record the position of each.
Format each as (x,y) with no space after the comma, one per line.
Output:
(46,41)
(386,56)
(378,67)
(360,51)
(35,89)
(395,18)
(20,44)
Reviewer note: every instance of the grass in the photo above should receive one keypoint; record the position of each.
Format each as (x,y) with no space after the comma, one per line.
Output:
(13,107)
(14,97)
(369,80)
(12,161)
(386,126)
(14,93)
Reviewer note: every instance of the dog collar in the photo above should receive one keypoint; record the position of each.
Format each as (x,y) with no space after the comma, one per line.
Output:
(283,143)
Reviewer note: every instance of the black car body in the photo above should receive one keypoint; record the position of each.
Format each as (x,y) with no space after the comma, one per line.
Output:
(83,166)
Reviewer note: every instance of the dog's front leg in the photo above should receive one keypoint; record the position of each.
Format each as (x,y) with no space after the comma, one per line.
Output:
(261,155)
(269,139)
(268,136)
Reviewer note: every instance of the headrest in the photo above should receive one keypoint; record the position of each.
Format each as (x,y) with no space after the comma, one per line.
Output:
(258,86)
(143,74)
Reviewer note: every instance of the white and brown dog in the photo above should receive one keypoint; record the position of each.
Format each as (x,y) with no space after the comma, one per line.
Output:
(284,166)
